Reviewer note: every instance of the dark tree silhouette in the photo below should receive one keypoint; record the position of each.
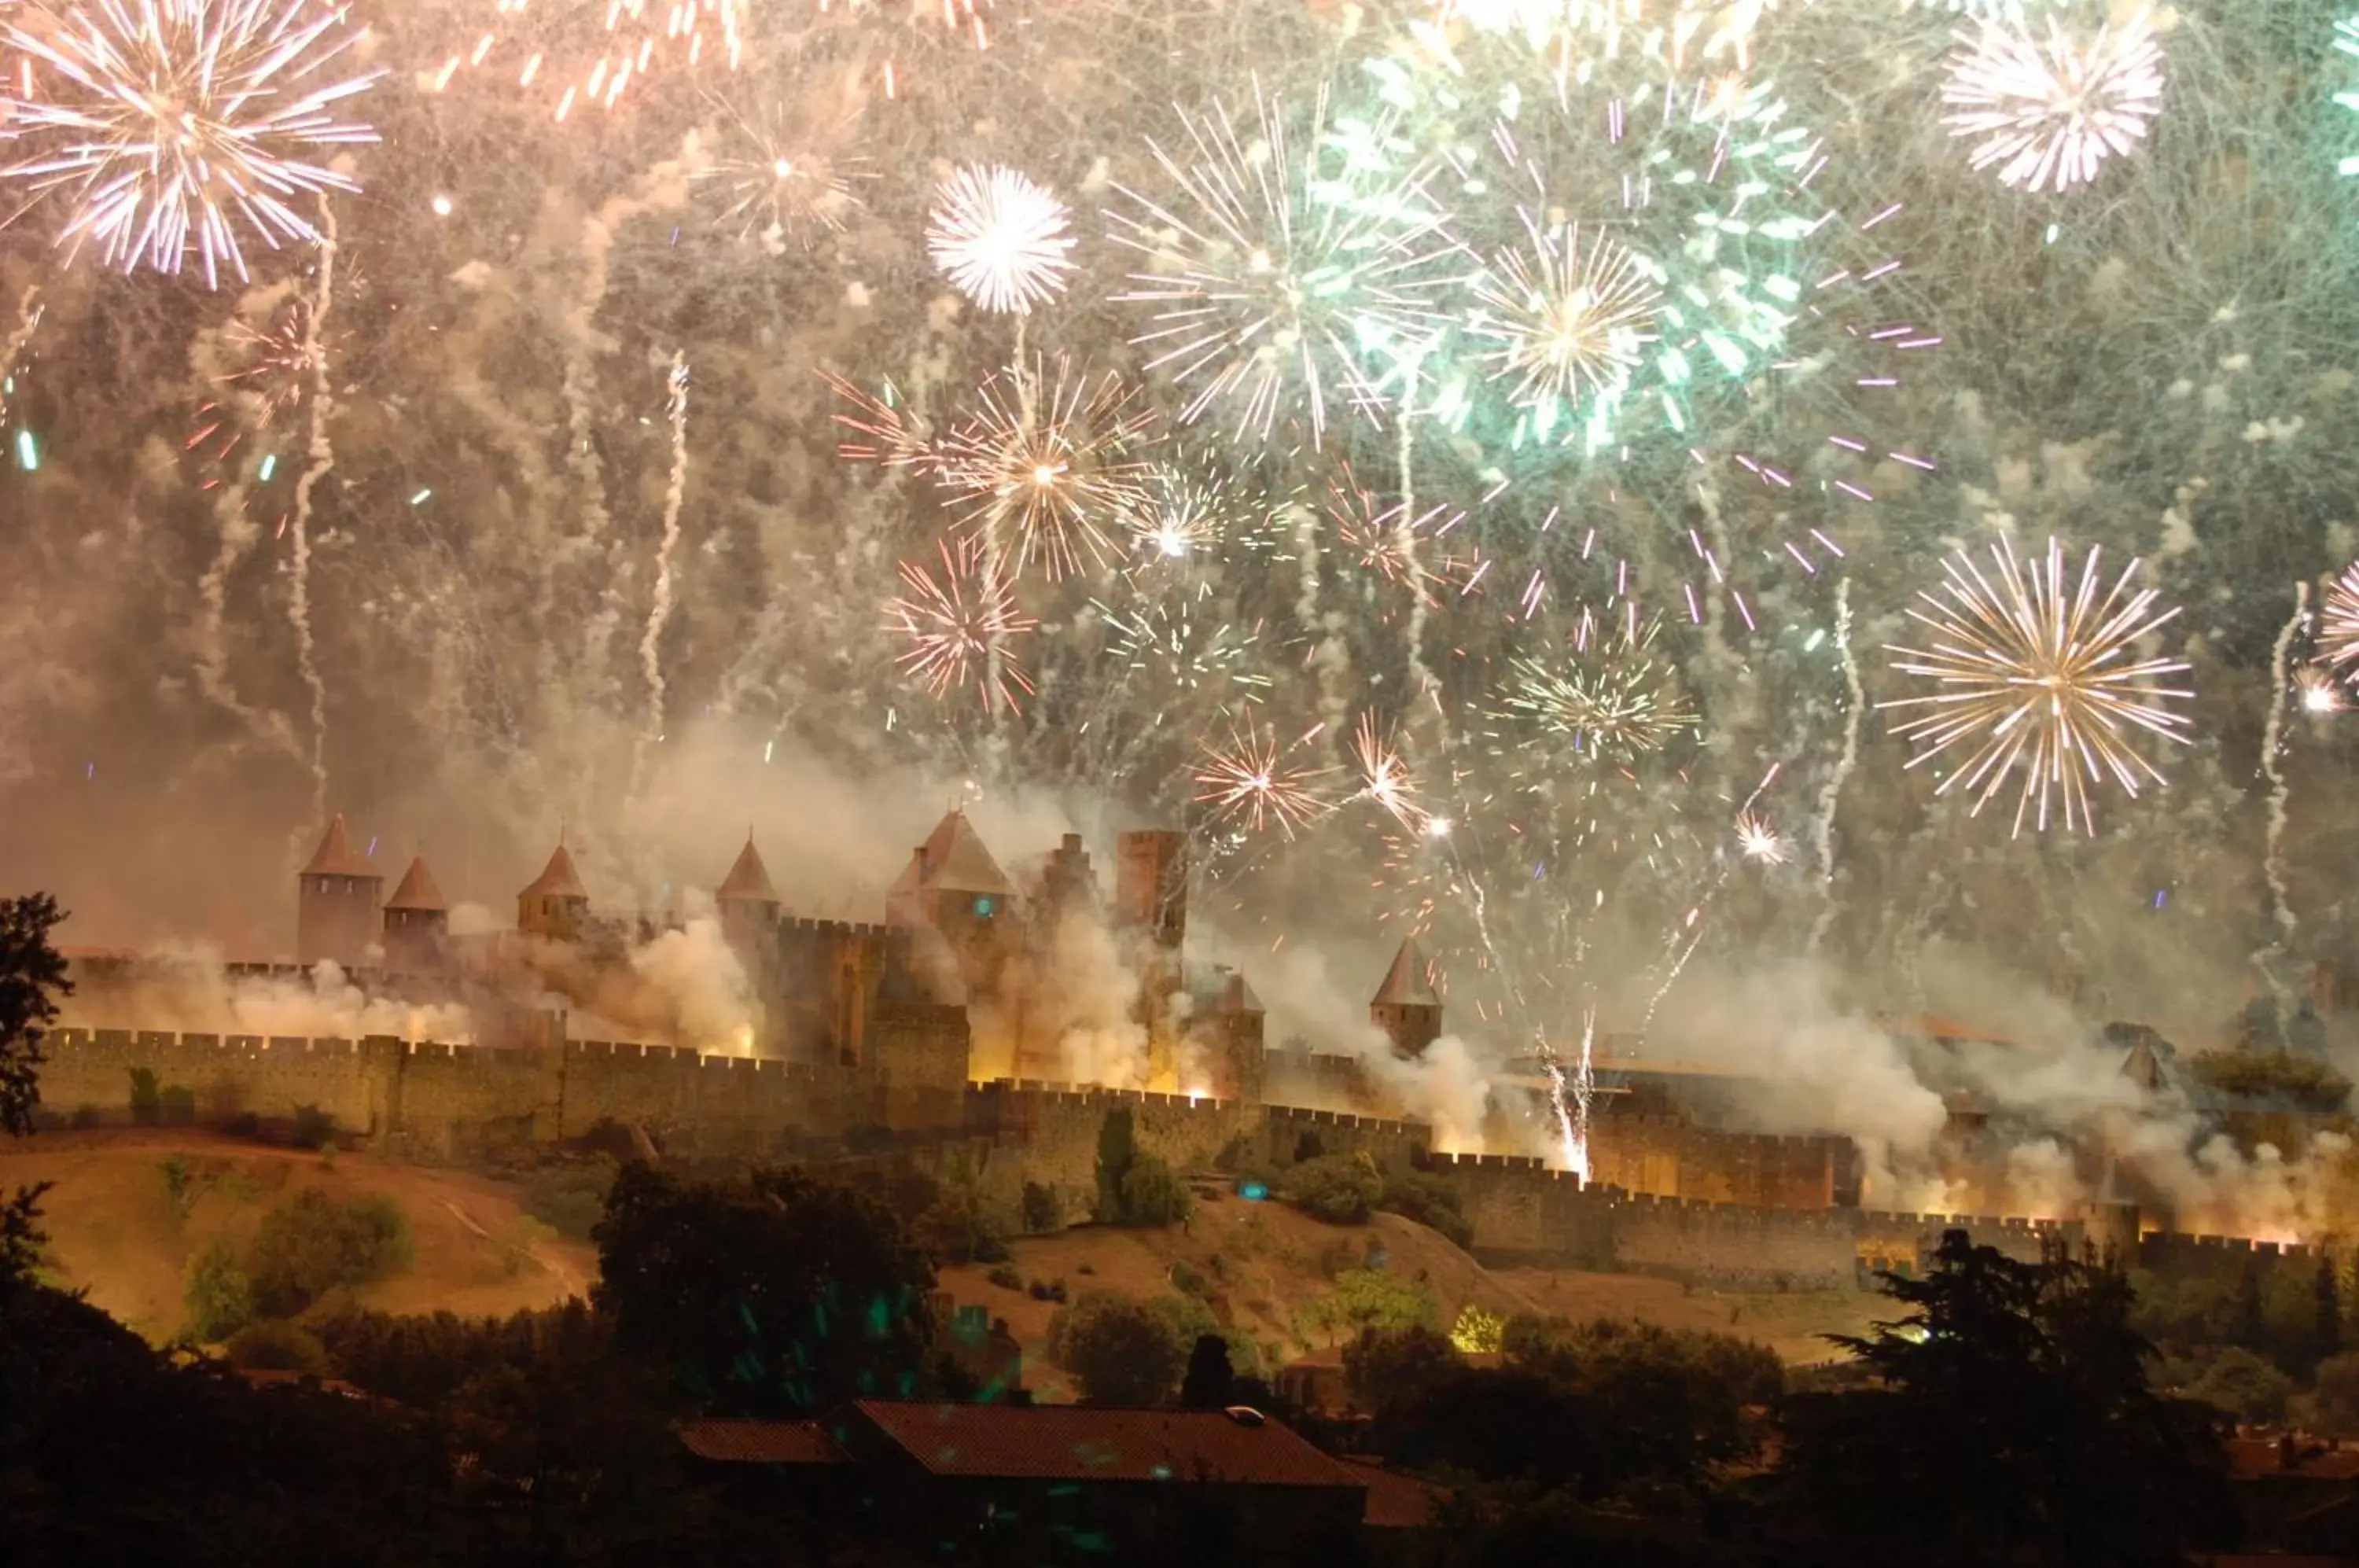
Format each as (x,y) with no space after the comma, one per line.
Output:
(32,978)
(2015,1425)
(771,1293)
(2326,1331)
(1206,1384)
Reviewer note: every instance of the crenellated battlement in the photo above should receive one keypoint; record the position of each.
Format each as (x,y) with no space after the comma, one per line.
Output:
(809,925)
(1348,1121)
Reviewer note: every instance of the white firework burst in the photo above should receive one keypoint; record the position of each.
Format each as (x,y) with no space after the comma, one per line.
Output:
(1004,242)
(785,179)
(2047,114)
(167,122)
(1568,322)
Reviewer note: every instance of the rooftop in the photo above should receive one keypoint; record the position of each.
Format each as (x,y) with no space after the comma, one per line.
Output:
(1072,1443)
(417,890)
(1408,983)
(748,878)
(557,880)
(334,857)
(760,1443)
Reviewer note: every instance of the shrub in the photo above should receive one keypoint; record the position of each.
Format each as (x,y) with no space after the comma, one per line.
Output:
(313,1127)
(1152,1193)
(2243,1385)
(175,1171)
(177,1107)
(955,1229)
(1341,1188)
(312,1244)
(1476,1332)
(1057,1290)
(147,1100)
(1366,1299)
(1431,1201)
(245,1123)
(216,1295)
(1188,1280)
(2334,1408)
(570,1198)
(86,1117)
(1005,1277)
(1120,1352)
(1385,1365)
(518,1243)
(273,1346)
(1044,1211)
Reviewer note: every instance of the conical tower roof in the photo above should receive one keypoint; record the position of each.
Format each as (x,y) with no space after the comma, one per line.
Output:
(1406,985)
(748,878)
(418,890)
(334,857)
(557,879)
(2143,1067)
(1236,997)
(953,860)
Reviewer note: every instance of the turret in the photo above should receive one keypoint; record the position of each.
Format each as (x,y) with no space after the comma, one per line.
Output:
(1405,1006)
(1151,886)
(1240,1059)
(557,906)
(952,886)
(336,902)
(1067,882)
(749,905)
(417,923)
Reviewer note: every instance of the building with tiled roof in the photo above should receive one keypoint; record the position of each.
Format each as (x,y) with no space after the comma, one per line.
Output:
(1037,1474)
(336,902)
(417,923)
(555,906)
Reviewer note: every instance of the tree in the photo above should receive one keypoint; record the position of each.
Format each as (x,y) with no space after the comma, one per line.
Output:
(1206,1384)
(1119,1351)
(2334,1408)
(216,1295)
(1429,1200)
(2326,1328)
(1117,1147)
(1385,1365)
(1341,1188)
(32,978)
(2014,1423)
(1152,1193)
(769,1294)
(1477,1332)
(2243,1385)
(1044,1213)
(312,1244)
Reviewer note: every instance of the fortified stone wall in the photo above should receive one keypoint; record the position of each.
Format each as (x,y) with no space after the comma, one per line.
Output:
(1673,1158)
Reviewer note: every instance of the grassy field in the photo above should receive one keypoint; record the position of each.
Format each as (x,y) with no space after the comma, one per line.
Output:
(116,1232)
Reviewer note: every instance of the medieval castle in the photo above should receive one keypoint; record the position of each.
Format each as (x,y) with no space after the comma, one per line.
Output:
(933,1037)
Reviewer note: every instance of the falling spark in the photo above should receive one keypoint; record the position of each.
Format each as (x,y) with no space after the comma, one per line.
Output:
(1003,241)
(1616,698)
(2338,625)
(2050,113)
(785,179)
(958,626)
(2032,673)
(168,122)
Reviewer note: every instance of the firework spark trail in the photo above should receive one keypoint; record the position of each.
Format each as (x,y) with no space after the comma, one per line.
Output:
(1823,829)
(2272,748)
(1571,1093)
(322,459)
(660,612)
(28,322)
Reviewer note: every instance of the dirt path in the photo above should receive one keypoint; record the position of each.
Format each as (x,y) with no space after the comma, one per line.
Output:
(575,1284)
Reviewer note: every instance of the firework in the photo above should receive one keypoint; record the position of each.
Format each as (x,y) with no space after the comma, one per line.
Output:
(784,179)
(276,365)
(1178,515)
(1378,533)
(1616,697)
(882,428)
(2315,690)
(2048,114)
(2338,625)
(1569,323)
(1186,644)
(1280,277)
(1046,466)
(1251,784)
(1003,242)
(591,55)
(1758,842)
(167,122)
(1385,778)
(2034,674)
(2346,40)
(959,626)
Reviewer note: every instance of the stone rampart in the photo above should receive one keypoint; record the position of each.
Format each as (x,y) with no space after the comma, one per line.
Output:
(1675,1158)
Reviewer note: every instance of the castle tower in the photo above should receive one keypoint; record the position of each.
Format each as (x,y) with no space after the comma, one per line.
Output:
(915,1051)
(1067,882)
(1150,889)
(952,886)
(749,905)
(1240,1059)
(417,923)
(556,907)
(1405,1006)
(336,902)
